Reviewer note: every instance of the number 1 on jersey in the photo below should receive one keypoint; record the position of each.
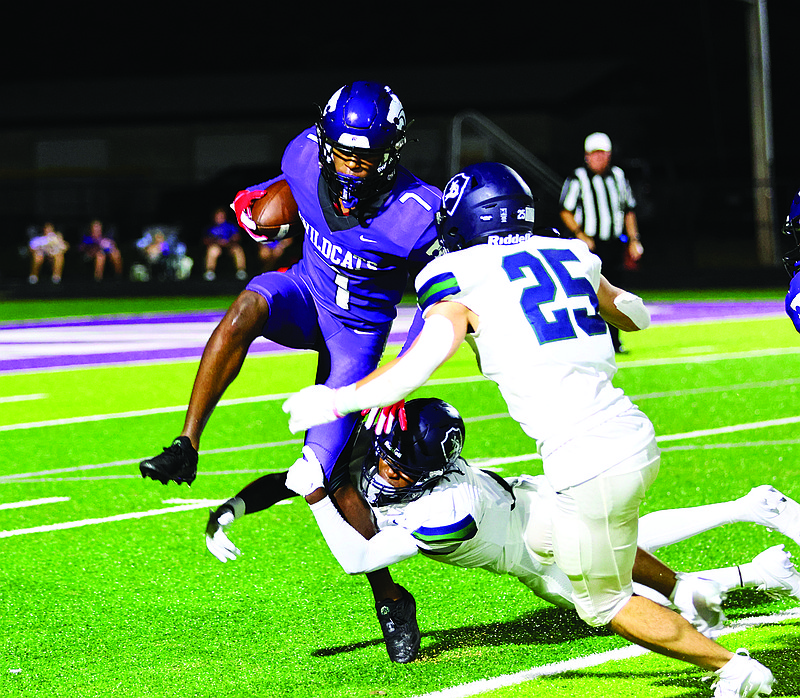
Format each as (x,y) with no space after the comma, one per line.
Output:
(342,291)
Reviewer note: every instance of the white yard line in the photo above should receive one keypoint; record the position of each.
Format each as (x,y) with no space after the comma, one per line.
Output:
(182,408)
(132,461)
(706,358)
(38,476)
(135,413)
(729,429)
(33,502)
(435,381)
(755,385)
(24,398)
(193,504)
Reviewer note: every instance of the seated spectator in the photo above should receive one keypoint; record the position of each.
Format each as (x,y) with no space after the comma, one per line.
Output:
(50,245)
(98,248)
(163,256)
(280,254)
(223,235)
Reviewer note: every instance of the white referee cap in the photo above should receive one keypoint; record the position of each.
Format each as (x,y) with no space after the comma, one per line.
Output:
(597,141)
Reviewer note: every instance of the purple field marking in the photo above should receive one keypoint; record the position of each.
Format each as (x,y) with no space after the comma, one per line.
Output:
(41,335)
(695,311)
(199,316)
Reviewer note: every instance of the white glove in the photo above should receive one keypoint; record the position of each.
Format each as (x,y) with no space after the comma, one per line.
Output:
(217,542)
(305,475)
(310,407)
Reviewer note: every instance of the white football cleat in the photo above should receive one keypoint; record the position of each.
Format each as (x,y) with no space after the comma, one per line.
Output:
(699,600)
(780,576)
(774,510)
(742,677)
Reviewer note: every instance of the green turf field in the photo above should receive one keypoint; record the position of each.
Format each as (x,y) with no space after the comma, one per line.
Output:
(107,589)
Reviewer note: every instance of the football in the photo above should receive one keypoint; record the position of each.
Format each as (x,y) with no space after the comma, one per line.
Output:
(275,214)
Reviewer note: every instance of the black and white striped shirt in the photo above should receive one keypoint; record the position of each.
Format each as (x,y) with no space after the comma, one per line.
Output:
(598,202)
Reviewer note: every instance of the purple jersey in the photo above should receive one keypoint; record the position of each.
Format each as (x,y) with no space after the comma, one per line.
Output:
(358,271)
(341,297)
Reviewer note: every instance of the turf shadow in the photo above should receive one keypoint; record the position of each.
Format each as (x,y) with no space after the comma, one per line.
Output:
(542,626)
(744,602)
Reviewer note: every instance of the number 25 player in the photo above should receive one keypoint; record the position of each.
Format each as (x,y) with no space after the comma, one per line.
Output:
(368,226)
(534,309)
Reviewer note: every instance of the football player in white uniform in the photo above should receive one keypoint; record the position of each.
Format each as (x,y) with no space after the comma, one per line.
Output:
(429,500)
(535,310)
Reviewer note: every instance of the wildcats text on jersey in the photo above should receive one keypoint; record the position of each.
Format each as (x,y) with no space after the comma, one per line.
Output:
(336,254)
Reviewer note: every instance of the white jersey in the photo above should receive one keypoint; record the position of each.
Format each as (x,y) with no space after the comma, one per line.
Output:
(471,518)
(540,337)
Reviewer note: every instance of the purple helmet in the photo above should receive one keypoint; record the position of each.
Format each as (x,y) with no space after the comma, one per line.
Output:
(792,227)
(367,119)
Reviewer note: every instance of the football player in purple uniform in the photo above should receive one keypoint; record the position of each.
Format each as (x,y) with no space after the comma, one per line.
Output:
(368,227)
(792,262)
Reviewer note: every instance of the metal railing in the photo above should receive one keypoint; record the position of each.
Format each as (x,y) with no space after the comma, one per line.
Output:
(519,157)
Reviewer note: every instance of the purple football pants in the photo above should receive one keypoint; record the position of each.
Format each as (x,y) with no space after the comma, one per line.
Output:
(345,356)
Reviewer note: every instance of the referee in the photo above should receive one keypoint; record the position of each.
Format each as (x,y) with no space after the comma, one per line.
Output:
(597,206)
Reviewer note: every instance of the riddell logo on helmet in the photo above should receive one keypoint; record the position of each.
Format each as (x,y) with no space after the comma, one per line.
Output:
(512,239)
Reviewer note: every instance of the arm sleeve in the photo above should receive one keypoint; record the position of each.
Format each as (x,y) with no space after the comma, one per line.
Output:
(355,553)
(410,372)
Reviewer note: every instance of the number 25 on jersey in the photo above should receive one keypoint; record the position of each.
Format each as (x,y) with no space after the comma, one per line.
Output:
(549,275)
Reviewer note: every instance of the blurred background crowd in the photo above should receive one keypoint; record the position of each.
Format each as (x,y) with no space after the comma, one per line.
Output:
(118,163)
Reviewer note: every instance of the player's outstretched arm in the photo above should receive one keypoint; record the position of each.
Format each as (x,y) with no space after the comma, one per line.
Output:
(445,328)
(355,554)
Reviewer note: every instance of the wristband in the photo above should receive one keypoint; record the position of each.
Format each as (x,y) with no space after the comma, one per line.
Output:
(633,307)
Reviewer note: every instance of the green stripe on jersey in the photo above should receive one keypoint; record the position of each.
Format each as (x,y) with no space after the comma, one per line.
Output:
(437,288)
(459,531)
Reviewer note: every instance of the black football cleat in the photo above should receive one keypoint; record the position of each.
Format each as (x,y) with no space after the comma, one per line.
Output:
(178,463)
(398,621)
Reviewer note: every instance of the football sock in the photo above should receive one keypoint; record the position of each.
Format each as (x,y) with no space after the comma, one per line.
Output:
(661,528)
(740,577)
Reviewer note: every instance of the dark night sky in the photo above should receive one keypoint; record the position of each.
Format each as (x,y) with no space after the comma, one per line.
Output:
(661,52)
(676,71)
(674,59)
